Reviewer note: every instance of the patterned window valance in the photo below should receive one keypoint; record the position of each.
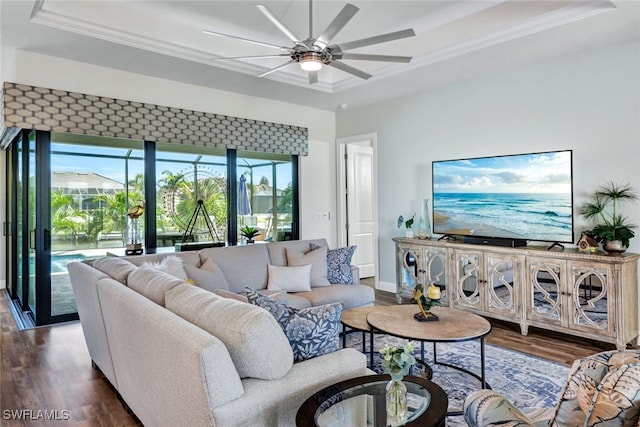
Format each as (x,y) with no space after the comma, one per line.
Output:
(30,107)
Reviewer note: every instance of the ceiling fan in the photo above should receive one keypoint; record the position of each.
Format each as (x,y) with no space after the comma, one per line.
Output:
(314,52)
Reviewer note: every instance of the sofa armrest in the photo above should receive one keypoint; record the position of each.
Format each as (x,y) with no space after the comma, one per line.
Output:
(487,407)
(83,281)
(355,271)
(276,402)
(169,371)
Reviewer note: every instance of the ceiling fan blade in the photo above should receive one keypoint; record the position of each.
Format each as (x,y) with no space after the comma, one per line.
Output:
(382,38)
(336,25)
(278,68)
(250,57)
(367,57)
(213,33)
(287,32)
(349,69)
(313,77)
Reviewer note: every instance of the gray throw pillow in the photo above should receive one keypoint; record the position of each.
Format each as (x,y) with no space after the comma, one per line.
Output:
(317,258)
(208,276)
(116,267)
(312,331)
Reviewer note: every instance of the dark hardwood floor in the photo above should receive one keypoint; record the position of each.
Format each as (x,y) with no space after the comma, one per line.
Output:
(49,369)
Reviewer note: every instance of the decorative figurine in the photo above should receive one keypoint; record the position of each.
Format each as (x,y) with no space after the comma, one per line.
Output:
(134,246)
(425,302)
(587,244)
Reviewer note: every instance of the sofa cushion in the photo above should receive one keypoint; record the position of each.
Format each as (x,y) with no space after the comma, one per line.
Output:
(316,258)
(339,264)
(349,295)
(116,267)
(255,342)
(242,265)
(280,296)
(289,279)
(296,301)
(208,276)
(171,265)
(311,331)
(152,283)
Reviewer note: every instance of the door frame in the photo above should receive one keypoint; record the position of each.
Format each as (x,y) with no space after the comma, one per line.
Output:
(369,140)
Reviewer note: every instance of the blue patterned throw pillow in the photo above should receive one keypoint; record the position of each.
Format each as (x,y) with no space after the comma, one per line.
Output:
(339,264)
(312,331)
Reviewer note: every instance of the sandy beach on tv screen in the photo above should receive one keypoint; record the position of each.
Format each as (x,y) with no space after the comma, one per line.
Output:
(443,224)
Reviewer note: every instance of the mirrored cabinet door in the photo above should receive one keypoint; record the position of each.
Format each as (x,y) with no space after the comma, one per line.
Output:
(591,305)
(501,272)
(545,303)
(466,279)
(435,272)
(409,271)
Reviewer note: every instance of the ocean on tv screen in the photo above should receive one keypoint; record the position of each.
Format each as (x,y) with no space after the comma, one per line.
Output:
(530,216)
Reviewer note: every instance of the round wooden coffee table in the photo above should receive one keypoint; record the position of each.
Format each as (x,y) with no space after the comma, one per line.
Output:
(356,320)
(454,326)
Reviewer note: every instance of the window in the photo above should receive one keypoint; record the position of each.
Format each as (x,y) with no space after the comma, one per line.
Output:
(184,176)
(268,188)
(94,181)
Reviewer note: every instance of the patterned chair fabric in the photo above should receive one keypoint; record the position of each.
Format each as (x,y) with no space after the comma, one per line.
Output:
(602,390)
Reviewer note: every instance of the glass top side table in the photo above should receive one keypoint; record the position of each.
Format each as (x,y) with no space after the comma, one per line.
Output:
(363,398)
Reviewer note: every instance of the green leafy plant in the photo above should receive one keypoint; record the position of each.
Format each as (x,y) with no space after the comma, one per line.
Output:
(407,223)
(604,208)
(249,232)
(397,361)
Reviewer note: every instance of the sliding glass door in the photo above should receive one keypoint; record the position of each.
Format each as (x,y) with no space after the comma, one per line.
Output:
(22,211)
(69,196)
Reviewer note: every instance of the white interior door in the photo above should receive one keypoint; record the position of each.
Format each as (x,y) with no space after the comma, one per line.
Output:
(358,201)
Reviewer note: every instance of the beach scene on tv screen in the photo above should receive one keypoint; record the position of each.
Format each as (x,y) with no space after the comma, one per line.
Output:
(526,196)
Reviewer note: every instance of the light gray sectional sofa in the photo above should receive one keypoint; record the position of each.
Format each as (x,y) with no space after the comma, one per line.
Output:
(180,354)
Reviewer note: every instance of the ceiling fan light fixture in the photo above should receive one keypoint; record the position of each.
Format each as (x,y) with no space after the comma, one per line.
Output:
(311,61)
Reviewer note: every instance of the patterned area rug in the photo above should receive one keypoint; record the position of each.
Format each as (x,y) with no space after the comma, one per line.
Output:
(528,381)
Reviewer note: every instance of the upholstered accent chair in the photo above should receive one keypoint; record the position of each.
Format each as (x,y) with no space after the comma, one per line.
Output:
(602,390)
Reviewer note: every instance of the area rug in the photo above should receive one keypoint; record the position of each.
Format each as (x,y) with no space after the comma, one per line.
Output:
(528,381)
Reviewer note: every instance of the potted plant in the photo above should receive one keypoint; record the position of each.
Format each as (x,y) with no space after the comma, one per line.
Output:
(407,223)
(612,229)
(249,233)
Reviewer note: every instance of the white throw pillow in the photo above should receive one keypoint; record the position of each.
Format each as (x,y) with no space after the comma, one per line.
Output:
(171,265)
(289,279)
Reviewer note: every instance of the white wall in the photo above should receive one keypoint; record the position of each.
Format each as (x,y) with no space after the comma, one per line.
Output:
(588,102)
(317,180)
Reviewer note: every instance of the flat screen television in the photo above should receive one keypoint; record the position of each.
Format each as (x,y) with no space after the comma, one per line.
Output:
(527,197)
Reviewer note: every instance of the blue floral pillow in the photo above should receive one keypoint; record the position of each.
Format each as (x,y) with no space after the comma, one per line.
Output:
(311,331)
(339,264)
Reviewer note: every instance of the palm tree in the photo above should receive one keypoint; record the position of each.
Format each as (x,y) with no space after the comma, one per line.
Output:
(166,196)
(65,216)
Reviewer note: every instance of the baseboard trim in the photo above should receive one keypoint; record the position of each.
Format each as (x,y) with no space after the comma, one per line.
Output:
(386,286)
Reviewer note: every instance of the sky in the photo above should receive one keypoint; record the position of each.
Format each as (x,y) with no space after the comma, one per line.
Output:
(115,168)
(525,173)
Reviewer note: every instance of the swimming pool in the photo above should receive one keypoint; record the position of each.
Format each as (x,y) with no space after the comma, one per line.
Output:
(59,262)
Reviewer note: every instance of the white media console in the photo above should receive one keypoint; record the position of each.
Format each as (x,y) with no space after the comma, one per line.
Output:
(583,294)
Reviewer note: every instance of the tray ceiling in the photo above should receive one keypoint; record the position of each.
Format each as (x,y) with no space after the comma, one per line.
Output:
(454,40)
